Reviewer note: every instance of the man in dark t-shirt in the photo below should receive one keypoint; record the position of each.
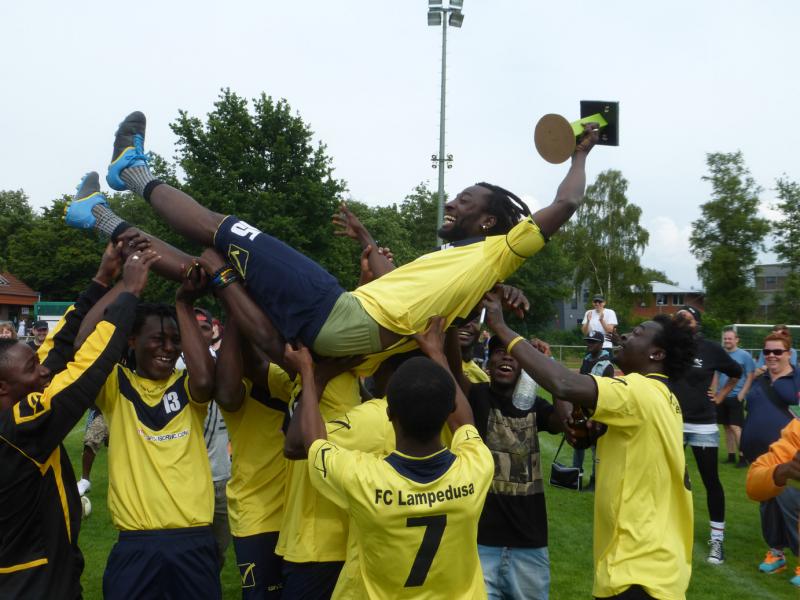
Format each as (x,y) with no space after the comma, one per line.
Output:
(512,531)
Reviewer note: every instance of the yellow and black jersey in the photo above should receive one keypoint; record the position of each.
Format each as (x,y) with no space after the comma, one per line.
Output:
(258,469)
(313,528)
(415,514)
(40,516)
(158,471)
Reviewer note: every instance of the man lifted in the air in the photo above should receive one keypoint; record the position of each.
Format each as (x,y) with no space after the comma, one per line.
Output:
(491,232)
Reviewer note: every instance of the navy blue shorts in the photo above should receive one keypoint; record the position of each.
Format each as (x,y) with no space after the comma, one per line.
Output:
(310,581)
(292,290)
(259,566)
(165,563)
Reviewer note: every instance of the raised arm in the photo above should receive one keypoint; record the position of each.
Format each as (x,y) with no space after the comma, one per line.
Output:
(228,387)
(347,224)
(552,376)
(253,323)
(38,424)
(199,362)
(570,193)
(307,423)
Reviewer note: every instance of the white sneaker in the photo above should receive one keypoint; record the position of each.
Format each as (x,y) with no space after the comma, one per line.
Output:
(84,485)
(715,554)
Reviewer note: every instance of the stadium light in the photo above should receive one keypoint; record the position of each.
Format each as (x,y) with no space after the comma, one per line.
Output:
(443,15)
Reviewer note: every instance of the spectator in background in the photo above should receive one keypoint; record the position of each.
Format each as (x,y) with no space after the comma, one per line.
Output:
(782,330)
(596,362)
(600,319)
(7,330)
(700,430)
(40,329)
(730,410)
(768,411)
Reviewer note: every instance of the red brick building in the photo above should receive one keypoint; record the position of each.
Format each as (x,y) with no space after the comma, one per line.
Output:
(667,299)
(16,299)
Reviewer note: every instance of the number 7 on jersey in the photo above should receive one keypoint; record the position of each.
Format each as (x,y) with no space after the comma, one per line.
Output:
(434,530)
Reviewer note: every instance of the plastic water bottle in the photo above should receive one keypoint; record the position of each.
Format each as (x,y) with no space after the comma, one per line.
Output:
(524,392)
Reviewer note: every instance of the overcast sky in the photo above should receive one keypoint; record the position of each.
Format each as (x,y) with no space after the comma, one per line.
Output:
(691,78)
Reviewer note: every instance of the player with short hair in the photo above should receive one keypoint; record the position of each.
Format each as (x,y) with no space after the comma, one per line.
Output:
(642,546)
(418,508)
(491,230)
(41,515)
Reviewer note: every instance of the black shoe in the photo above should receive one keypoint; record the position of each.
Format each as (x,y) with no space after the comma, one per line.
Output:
(731,459)
(742,464)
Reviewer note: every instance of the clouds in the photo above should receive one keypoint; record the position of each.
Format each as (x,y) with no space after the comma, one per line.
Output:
(668,250)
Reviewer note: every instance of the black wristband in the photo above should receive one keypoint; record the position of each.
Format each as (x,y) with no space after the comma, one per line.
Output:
(148,189)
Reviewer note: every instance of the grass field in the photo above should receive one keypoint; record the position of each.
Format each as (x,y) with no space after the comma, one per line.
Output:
(570,520)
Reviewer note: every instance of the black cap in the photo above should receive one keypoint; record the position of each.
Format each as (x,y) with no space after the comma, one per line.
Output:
(598,297)
(202,314)
(595,336)
(41,325)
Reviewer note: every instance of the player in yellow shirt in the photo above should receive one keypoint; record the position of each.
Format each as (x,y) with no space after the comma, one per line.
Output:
(41,515)
(160,493)
(491,232)
(254,408)
(643,518)
(417,509)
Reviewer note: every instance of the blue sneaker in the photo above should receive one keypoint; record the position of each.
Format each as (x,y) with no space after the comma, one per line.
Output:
(78,212)
(128,149)
(772,563)
(795,581)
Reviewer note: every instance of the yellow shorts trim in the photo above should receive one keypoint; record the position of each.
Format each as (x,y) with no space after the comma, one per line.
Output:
(23,566)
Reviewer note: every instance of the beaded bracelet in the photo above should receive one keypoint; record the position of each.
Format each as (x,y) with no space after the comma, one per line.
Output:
(224,277)
(513,343)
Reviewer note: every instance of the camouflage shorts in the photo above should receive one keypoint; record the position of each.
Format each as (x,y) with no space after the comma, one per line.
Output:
(96,433)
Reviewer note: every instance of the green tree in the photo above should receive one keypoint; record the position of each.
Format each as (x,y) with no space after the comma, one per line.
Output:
(16,215)
(786,232)
(727,237)
(257,161)
(605,239)
(656,275)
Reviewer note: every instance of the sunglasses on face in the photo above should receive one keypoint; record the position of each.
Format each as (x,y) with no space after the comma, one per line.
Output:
(775,351)
(597,301)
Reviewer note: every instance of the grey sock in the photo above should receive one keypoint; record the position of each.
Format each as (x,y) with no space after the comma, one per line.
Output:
(136,178)
(106,221)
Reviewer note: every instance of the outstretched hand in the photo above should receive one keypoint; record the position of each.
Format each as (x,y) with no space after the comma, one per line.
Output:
(134,274)
(133,240)
(346,223)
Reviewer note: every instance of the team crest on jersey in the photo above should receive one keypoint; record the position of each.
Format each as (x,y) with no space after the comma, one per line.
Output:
(698,362)
(239,257)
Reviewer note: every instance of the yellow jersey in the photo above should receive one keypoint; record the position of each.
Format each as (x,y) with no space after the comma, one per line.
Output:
(643,519)
(415,520)
(449,282)
(258,467)
(314,529)
(473,372)
(158,471)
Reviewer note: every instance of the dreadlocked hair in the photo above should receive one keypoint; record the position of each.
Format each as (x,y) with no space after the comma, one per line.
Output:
(143,311)
(678,342)
(506,207)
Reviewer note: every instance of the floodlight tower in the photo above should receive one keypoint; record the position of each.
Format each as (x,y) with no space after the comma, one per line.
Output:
(443,15)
